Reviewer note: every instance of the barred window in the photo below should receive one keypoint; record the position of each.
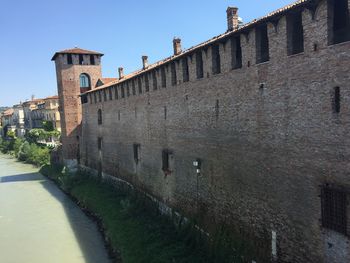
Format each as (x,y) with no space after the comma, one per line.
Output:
(333,204)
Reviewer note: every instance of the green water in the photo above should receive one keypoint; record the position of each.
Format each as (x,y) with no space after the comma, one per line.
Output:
(39,224)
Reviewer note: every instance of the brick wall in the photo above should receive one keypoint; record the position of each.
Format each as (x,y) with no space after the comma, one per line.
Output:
(265,149)
(68,85)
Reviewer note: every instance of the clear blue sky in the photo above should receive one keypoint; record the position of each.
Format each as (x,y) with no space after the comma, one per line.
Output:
(31,32)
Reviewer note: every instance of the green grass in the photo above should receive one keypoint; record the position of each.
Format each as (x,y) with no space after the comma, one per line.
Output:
(135,228)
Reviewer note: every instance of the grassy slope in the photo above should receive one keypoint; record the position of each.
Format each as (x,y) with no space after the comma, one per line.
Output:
(133,226)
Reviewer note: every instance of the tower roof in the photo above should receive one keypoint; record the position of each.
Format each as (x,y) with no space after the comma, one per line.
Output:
(76,51)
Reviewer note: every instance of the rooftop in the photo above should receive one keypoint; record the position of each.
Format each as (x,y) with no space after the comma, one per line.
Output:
(76,51)
(271,16)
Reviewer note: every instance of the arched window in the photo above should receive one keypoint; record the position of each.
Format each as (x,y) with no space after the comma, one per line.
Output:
(84,81)
(99,117)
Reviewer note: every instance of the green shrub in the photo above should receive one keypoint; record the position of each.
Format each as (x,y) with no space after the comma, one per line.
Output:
(34,154)
(24,151)
(17,145)
(7,145)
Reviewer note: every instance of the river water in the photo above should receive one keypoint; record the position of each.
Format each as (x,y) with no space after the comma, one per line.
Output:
(40,224)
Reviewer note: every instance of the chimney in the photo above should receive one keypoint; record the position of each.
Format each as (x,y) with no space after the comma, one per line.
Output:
(121,72)
(177,46)
(232,18)
(145,62)
(33,97)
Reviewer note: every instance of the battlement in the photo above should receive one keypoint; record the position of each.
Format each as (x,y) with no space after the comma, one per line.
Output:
(303,28)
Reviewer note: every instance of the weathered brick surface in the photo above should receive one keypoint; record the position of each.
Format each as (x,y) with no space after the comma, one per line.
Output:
(68,85)
(265,151)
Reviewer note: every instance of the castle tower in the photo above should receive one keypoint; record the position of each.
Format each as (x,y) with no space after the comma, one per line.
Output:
(77,71)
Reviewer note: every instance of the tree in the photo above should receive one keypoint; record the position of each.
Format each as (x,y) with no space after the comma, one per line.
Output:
(48,126)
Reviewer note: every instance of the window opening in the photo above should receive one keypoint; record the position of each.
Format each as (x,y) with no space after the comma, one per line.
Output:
(173,74)
(199,65)
(262,44)
(99,116)
(333,203)
(295,34)
(185,72)
(236,52)
(216,63)
(163,77)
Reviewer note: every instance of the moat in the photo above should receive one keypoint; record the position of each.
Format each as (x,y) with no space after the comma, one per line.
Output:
(39,223)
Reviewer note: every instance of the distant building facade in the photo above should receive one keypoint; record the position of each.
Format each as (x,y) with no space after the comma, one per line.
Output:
(47,110)
(248,129)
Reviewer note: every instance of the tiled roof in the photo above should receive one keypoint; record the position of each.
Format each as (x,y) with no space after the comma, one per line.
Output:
(51,98)
(76,50)
(8,112)
(108,80)
(247,26)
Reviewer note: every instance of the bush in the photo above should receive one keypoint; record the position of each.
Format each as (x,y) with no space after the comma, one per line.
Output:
(7,145)
(34,154)
(17,145)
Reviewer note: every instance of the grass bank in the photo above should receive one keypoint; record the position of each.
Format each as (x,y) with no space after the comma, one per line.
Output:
(134,227)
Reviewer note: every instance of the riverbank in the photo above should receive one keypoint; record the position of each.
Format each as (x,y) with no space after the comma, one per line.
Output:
(134,227)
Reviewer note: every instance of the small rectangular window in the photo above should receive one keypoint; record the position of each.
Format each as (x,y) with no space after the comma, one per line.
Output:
(216,63)
(154,79)
(136,148)
(69,59)
(99,143)
(133,87)
(185,71)
(165,160)
(236,52)
(336,103)
(173,74)
(92,59)
(146,83)
(262,44)
(140,85)
(163,77)
(199,64)
(295,34)
(81,59)
(333,204)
